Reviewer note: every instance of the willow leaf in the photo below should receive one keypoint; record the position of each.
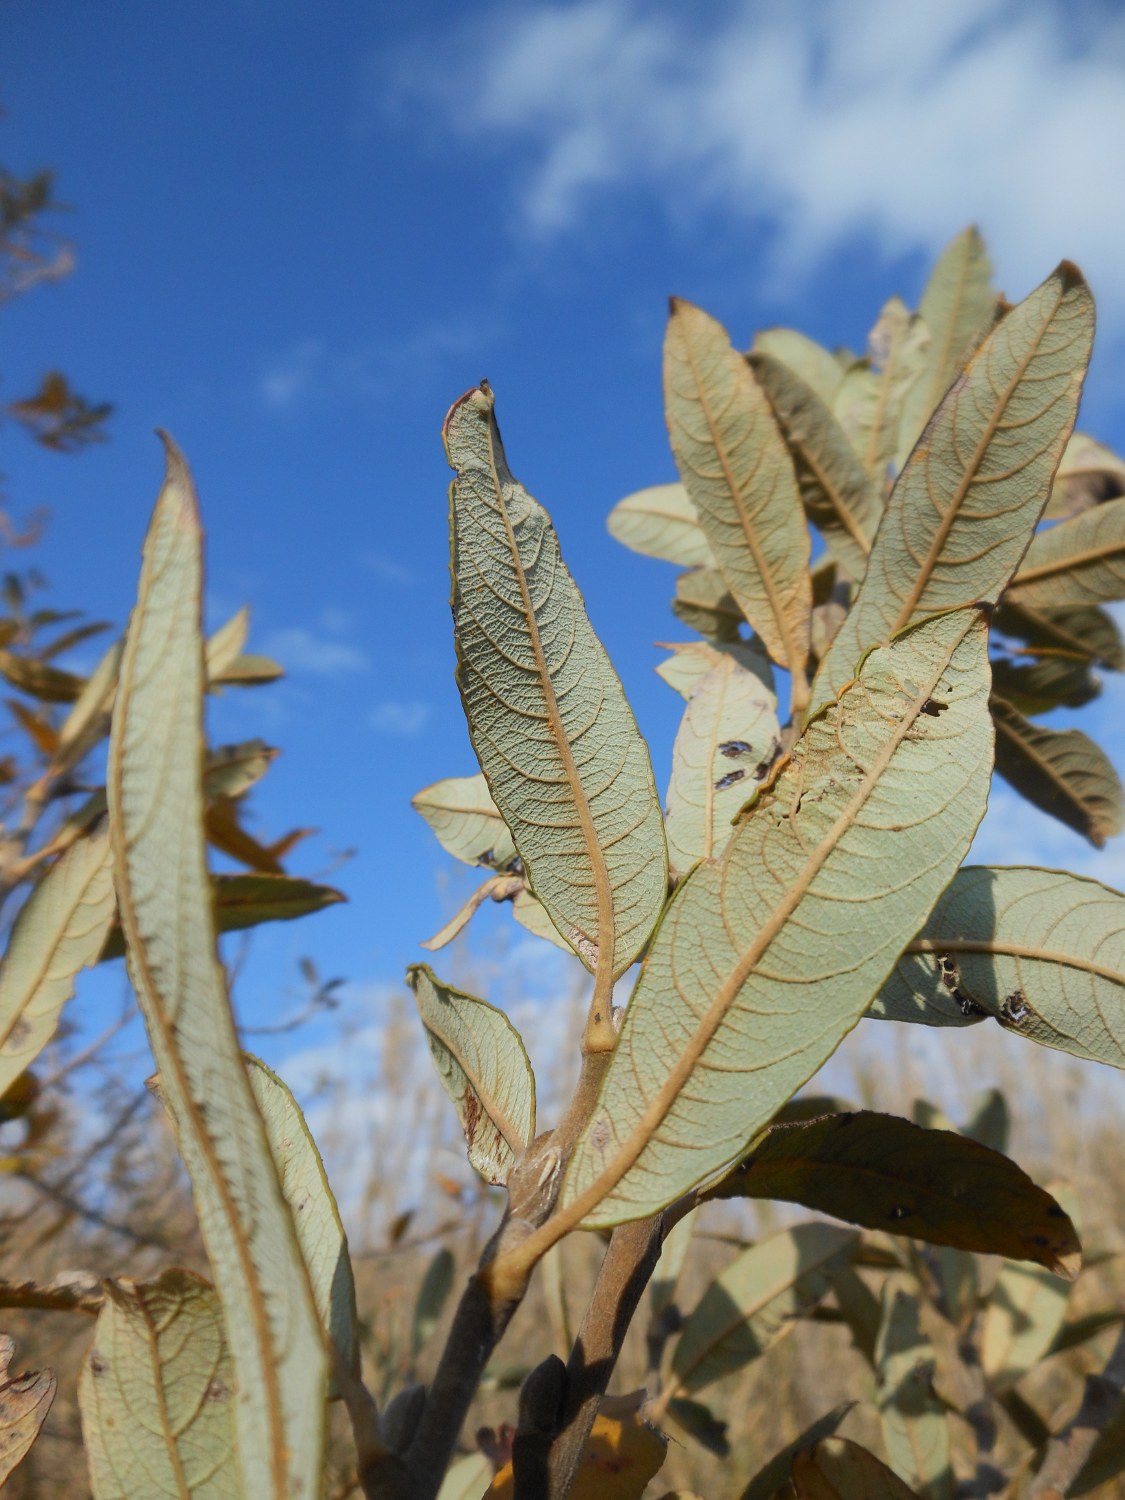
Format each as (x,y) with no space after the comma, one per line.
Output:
(692,661)
(467,822)
(25,1400)
(225,645)
(1037,687)
(915,1428)
(483,1067)
(1088,634)
(156,805)
(1025,1311)
(756,1300)
(1062,771)
(1041,951)
(811,362)
(1077,562)
(842,1470)
(868,405)
(1088,474)
(885,1173)
(60,931)
(957,304)
(768,1482)
(155,1393)
(964,508)
(839,498)
(88,719)
(532,915)
(320,1230)
(704,603)
(661,522)
(739,476)
(725,745)
(555,737)
(764,962)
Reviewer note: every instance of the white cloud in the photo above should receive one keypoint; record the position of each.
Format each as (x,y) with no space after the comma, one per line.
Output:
(399,718)
(290,378)
(387,569)
(300,649)
(892,121)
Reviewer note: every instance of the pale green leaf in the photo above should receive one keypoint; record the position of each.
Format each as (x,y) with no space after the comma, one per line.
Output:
(555,737)
(869,403)
(964,508)
(466,821)
(483,1068)
(703,603)
(467,1479)
(738,473)
(1061,771)
(839,498)
(662,522)
(884,1173)
(726,743)
(666,1277)
(226,643)
(841,1470)
(1025,1311)
(60,931)
(692,661)
(817,366)
(156,1394)
(769,1480)
(156,804)
(502,887)
(532,915)
(320,1231)
(956,306)
(88,719)
(915,1428)
(764,962)
(233,769)
(25,1400)
(1088,474)
(433,1294)
(1076,562)
(756,1300)
(701,1423)
(1037,687)
(248,670)
(1041,951)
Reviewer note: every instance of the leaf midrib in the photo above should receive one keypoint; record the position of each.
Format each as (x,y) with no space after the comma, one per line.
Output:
(999,948)
(1050,771)
(1066,564)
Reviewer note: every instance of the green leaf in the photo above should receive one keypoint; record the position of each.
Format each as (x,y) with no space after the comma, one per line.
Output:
(666,1277)
(225,645)
(769,1480)
(467,1479)
(868,405)
(1038,687)
(738,473)
(842,1470)
(88,719)
(965,506)
(233,769)
(811,362)
(701,1423)
(1061,771)
(703,603)
(468,825)
(839,497)
(25,1400)
(1088,634)
(915,1429)
(718,1033)
(1079,562)
(248,670)
(532,915)
(156,1392)
(957,304)
(433,1294)
(59,931)
(726,743)
(884,1173)
(1041,951)
(989,1121)
(320,1231)
(662,522)
(1024,1314)
(1088,474)
(756,1301)
(553,732)
(156,805)
(483,1068)
(692,661)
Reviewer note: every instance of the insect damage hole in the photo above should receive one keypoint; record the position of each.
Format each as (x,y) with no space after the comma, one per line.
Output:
(1014,1008)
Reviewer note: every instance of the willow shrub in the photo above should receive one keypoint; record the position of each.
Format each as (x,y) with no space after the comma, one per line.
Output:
(871,527)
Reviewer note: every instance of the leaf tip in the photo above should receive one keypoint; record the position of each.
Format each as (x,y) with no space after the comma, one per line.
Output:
(1070,277)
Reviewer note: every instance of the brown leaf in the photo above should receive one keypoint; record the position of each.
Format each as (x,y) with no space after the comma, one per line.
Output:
(25,1401)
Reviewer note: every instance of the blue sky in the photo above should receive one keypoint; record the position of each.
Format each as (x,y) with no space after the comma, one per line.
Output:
(303,230)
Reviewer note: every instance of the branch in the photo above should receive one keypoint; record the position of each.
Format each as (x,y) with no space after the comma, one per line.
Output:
(1068,1450)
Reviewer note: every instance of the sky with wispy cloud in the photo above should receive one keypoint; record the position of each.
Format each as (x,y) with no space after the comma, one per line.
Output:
(303,231)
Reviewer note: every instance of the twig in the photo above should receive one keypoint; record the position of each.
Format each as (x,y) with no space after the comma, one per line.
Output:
(1069,1449)
(630,1260)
